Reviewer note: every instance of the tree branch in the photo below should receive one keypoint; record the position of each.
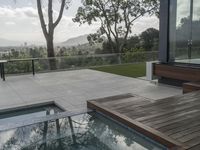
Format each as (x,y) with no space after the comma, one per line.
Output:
(142,14)
(116,19)
(60,13)
(106,18)
(40,13)
(108,34)
(50,16)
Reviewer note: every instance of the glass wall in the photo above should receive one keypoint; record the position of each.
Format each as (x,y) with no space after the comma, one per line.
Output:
(184,31)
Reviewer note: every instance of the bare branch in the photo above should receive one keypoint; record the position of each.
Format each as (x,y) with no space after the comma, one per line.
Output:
(116,19)
(63,3)
(40,13)
(50,16)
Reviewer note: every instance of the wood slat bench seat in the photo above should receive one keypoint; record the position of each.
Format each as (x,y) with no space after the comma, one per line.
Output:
(191,86)
(177,72)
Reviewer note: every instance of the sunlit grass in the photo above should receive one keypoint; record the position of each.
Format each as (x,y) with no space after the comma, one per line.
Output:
(129,70)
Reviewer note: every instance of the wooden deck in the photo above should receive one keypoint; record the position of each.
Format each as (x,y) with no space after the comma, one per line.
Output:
(173,122)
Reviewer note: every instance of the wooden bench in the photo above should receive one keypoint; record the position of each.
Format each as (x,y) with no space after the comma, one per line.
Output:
(191,86)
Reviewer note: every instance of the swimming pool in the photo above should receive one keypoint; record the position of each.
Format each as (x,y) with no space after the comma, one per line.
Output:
(88,131)
(20,115)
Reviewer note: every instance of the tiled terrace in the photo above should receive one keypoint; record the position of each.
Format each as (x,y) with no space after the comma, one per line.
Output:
(71,89)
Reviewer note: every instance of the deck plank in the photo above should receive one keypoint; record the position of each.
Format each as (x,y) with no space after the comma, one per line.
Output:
(197,147)
(176,117)
(189,130)
(182,128)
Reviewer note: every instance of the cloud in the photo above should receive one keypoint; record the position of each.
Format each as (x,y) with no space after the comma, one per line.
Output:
(144,23)
(18,12)
(35,23)
(22,23)
(28,11)
(10,23)
(5,11)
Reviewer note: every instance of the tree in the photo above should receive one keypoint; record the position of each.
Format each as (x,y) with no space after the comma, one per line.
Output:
(116,18)
(133,42)
(48,30)
(147,41)
(149,38)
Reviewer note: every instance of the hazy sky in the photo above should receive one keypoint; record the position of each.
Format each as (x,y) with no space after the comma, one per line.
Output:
(19,22)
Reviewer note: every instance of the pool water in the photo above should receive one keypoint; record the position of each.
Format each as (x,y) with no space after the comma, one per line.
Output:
(23,114)
(90,131)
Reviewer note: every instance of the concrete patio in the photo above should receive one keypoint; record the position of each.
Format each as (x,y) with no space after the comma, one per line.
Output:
(71,89)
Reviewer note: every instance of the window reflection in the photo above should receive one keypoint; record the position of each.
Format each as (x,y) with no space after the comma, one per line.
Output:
(196,32)
(184,33)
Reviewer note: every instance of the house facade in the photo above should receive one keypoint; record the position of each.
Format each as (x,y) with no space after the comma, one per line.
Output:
(179,47)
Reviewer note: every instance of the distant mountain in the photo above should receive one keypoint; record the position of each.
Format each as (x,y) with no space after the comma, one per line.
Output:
(5,42)
(74,41)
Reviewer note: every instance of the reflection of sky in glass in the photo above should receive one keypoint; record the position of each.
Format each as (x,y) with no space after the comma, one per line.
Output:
(196,11)
(183,10)
(184,32)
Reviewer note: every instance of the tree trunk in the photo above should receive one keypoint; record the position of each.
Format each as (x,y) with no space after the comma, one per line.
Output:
(119,58)
(118,49)
(49,32)
(51,54)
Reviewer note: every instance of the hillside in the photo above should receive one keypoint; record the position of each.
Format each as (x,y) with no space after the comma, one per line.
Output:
(74,41)
(5,42)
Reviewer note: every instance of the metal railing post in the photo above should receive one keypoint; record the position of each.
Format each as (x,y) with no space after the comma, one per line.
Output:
(1,69)
(3,72)
(33,67)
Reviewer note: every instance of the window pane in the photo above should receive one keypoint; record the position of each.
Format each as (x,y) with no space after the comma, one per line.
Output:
(179,29)
(196,32)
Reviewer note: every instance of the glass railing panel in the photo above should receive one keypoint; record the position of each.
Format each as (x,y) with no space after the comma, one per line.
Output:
(16,66)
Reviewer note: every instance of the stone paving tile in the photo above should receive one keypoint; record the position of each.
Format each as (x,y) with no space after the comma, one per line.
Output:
(71,89)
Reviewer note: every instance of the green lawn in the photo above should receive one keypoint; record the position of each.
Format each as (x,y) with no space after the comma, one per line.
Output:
(129,70)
